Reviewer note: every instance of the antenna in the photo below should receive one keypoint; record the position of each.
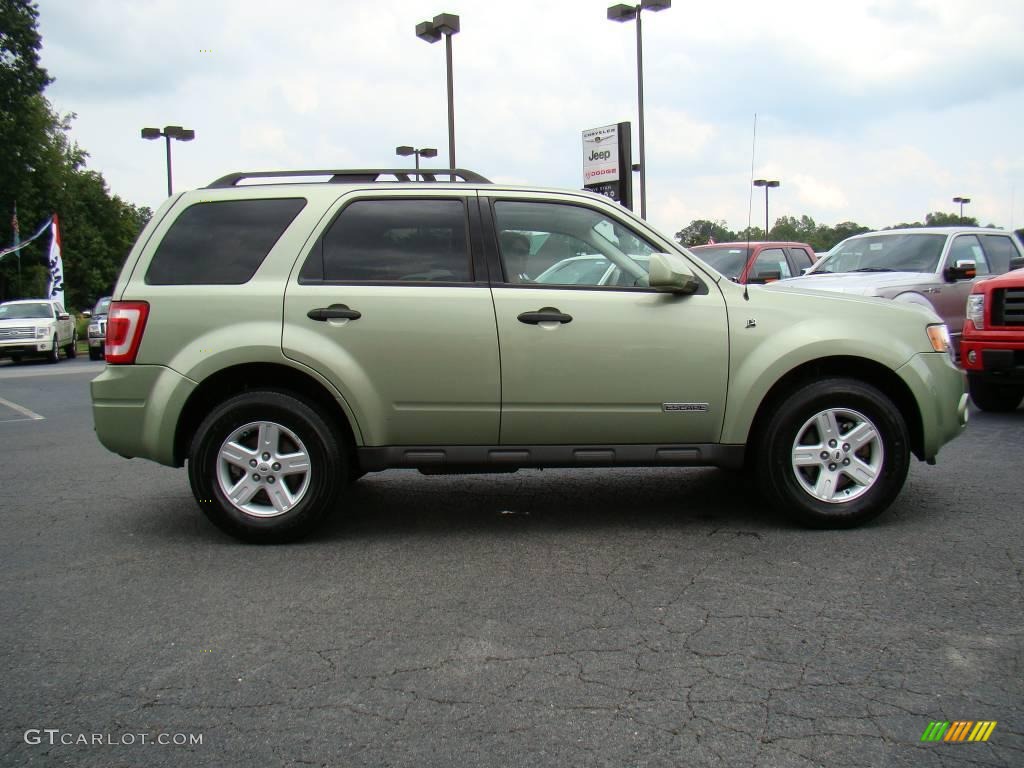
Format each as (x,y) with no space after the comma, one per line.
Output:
(750,206)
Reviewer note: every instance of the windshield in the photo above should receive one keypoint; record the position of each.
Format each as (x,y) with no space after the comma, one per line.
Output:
(884,253)
(26,311)
(729,260)
(102,306)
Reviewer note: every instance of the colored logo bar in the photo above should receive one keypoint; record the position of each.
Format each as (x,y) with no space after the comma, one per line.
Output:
(959,730)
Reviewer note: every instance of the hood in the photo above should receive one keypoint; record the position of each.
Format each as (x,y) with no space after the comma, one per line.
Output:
(17,322)
(861,283)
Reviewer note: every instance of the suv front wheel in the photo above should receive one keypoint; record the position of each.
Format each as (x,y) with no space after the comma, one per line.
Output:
(265,467)
(834,454)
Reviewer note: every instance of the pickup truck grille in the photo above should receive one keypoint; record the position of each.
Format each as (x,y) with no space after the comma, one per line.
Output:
(1008,306)
(21,332)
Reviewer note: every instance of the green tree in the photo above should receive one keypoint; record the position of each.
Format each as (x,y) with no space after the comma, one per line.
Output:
(701,231)
(43,171)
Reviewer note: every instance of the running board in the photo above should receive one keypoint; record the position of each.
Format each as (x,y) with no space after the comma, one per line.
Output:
(441,459)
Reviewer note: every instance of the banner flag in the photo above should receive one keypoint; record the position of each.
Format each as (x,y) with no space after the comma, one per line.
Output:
(23,243)
(55,286)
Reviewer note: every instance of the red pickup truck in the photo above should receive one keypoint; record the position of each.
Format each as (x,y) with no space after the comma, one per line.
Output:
(758,262)
(992,348)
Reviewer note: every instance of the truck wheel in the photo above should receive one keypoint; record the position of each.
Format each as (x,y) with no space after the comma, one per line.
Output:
(834,454)
(54,355)
(265,467)
(71,350)
(95,354)
(992,397)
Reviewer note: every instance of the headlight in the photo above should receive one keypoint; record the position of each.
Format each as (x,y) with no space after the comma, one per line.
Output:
(94,329)
(938,335)
(976,310)
(42,332)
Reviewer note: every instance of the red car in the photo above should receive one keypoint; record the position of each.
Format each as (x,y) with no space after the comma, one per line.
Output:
(762,262)
(992,348)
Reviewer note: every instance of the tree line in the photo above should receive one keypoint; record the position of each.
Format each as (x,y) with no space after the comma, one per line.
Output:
(42,171)
(821,237)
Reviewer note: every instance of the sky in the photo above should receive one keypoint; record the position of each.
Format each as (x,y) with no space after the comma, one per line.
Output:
(875,112)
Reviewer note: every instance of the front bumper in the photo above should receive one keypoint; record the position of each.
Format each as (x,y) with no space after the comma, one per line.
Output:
(996,357)
(25,347)
(940,389)
(136,409)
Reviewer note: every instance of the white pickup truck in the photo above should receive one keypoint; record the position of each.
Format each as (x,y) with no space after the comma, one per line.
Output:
(36,327)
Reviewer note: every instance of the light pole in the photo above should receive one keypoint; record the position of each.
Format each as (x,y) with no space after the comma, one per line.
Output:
(963,201)
(767,184)
(169,132)
(623,13)
(446,24)
(405,151)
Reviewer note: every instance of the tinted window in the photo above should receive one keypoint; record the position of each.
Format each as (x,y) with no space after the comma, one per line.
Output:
(967,248)
(801,258)
(729,260)
(393,241)
(221,243)
(530,234)
(1000,250)
(893,252)
(770,264)
(25,311)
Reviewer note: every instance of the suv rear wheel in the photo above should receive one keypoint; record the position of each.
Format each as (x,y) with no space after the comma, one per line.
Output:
(265,467)
(834,454)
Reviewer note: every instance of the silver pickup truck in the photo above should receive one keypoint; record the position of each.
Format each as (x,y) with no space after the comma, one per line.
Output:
(935,267)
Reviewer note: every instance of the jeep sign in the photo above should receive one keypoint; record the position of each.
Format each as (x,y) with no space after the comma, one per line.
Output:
(607,162)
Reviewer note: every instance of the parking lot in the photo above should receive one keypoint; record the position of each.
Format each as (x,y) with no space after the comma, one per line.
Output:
(652,617)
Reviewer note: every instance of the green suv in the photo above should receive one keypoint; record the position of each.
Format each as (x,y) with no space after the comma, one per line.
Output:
(283,339)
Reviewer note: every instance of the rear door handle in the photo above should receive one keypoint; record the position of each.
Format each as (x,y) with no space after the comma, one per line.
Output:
(544,315)
(334,312)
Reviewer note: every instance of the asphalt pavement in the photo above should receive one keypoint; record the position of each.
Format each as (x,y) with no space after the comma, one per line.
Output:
(617,617)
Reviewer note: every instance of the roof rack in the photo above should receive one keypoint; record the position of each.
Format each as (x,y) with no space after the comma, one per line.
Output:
(343,176)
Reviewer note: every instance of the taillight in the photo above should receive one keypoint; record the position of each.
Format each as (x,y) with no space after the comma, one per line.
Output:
(126,321)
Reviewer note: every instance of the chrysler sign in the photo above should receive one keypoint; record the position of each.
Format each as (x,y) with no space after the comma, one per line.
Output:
(607,161)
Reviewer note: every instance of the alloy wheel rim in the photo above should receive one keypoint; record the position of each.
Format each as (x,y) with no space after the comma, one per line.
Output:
(263,469)
(837,455)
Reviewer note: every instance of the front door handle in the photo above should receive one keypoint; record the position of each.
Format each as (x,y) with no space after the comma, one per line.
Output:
(544,315)
(334,312)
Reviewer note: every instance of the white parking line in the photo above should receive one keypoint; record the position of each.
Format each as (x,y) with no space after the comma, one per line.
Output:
(32,415)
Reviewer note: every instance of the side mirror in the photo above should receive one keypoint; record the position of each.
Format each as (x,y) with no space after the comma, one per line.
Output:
(87,314)
(63,316)
(669,272)
(1017,262)
(765,277)
(964,269)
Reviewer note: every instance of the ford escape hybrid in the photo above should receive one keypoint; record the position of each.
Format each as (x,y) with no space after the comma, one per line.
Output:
(282,339)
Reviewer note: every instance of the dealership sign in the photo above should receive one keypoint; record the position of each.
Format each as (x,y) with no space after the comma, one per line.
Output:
(607,162)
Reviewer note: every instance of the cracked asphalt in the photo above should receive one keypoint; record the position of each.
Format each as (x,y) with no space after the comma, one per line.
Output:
(555,618)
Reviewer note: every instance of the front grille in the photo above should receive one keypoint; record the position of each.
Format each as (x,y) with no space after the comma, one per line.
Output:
(1008,306)
(21,332)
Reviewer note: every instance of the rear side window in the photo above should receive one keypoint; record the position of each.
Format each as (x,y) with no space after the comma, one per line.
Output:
(221,243)
(1000,250)
(393,240)
(801,258)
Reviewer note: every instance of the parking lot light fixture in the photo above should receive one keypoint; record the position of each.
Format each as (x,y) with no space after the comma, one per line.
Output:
(963,201)
(767,184)
(624,13)
(169,132)
(406,151)
(444,25)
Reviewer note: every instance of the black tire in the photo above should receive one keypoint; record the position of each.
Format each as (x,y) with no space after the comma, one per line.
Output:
(95,354)
(994,397)
(15,359)
(54,355)
(886,458)
(327,467)
(71,350)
